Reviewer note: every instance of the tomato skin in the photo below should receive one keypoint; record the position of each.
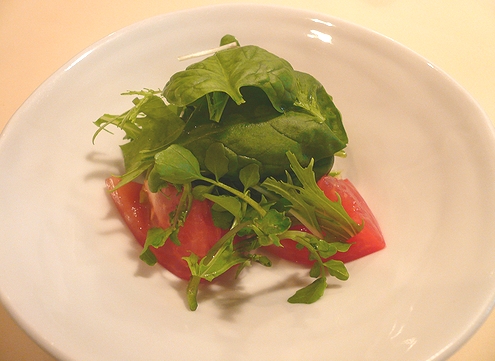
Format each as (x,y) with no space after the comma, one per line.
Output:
(197,235)
(135,214)
(368,241)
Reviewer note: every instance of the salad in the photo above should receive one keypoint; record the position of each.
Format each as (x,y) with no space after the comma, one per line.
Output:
(230,164)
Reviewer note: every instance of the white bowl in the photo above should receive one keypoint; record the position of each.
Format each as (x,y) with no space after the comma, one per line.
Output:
(421,153)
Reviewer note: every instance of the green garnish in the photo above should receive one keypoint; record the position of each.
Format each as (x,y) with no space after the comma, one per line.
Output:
(245,130)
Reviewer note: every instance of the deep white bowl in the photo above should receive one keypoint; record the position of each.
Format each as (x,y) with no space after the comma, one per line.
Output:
(421,152)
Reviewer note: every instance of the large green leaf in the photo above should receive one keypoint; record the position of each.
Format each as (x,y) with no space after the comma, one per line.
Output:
(255,132)
(228,71)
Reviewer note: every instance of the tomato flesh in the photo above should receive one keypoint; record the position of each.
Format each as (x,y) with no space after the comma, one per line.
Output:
(368,241)
(197,235)
(135,214)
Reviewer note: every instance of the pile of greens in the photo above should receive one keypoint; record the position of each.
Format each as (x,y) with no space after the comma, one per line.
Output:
(245,130)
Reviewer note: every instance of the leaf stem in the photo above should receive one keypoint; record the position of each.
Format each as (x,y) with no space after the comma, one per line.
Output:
(220,243)
(208,51)
(239,194)
(192,292)
(298,236)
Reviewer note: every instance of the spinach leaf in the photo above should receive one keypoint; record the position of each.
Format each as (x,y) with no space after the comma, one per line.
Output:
(228,70)
(255,133)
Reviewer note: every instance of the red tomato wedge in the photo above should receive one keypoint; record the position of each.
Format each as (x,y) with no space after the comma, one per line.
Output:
(368,241)
(197,235)
(135,214)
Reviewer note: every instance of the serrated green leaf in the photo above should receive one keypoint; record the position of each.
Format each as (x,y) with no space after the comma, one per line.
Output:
(150,124)
(312,207)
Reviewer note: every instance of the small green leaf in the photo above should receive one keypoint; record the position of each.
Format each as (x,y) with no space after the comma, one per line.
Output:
(315,270)
(310,293)
(224,258)
(148,257)
(231,204)
(177,165)
(249,175)
(156,238)
(337,269)
(216,161)
(200,190)
(222,219)
(228,38)
(263,260)
(155,181)
(328,249)
(273,223)
(216,104)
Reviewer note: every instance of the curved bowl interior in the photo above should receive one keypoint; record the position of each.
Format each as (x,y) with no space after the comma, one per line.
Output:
(418,153)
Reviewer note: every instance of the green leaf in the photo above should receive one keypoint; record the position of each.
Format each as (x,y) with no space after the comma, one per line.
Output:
(315,270)
(222,218)
(328,249)
(150,125)
(156,237)
(227,39)
(216,104)
(313,97)
(216,161)
(249,175)
(177,165)
(148,257)
(229,70)
(255,133)
(273,222)
(337,269)
(312,207)
(155,181)
(261,259)
(229,203)
(201,189)
(214,265)
(310,293)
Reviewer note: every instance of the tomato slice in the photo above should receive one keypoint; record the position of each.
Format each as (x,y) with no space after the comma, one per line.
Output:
(135,214)
(368,241)
(198,234)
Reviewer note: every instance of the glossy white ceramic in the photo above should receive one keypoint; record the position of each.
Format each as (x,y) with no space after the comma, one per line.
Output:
(421,153)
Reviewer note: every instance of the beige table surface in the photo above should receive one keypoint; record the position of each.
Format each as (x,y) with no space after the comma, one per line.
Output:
(38,37)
